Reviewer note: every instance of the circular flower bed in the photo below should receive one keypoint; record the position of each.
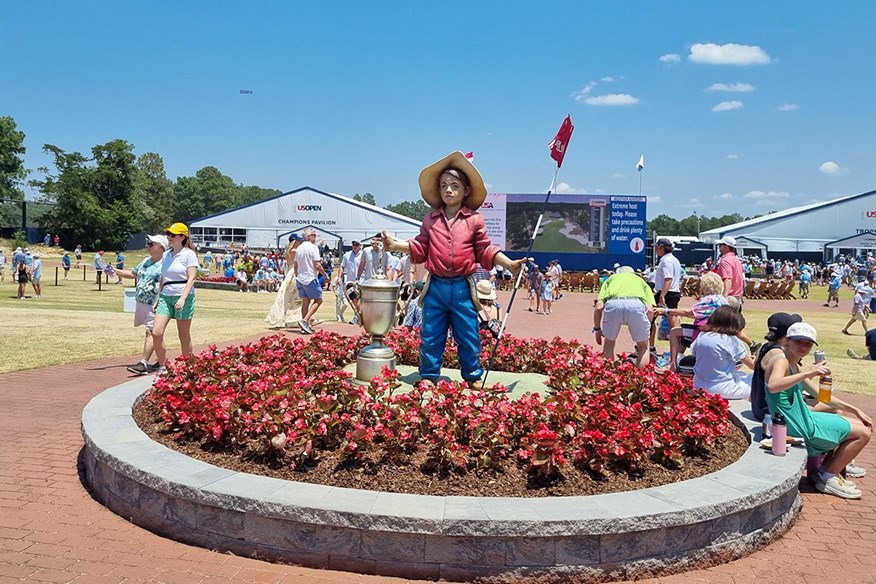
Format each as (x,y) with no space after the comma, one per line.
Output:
(290,402)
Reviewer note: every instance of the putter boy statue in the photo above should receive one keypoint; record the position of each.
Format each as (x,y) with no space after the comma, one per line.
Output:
(452,241)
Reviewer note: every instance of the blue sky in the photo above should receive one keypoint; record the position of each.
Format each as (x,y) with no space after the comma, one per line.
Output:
(737,107)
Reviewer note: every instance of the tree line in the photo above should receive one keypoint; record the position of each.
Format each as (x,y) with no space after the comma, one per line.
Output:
(104,198)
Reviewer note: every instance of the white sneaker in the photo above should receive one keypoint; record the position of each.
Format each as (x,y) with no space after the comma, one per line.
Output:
(855,471)
(852,354)
(837,485)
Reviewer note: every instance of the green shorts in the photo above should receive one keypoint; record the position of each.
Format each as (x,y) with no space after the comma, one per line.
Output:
(831,430)
(167,307)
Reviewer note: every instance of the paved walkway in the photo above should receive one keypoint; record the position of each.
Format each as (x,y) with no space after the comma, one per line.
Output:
(51,530)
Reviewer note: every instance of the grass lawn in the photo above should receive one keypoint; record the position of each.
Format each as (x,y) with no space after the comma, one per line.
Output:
(848,374)
(75,322)
(552,240)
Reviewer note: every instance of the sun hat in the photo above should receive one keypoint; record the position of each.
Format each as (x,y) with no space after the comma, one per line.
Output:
(727,240)
(178,229)
(430,176)
(802,331)
(485,290)
(159,239)
(663,242)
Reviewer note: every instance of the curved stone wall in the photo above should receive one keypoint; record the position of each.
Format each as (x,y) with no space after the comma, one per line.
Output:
(711,519)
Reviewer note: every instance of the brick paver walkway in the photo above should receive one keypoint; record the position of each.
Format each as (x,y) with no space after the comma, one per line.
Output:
(51,530)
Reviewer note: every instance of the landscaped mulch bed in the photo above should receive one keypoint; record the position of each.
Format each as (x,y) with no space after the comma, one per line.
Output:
(410,478)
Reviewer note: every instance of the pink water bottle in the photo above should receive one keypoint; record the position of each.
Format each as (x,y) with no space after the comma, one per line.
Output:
(780,435)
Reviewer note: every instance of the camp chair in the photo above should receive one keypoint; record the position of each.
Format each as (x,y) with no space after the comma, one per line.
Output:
(590,281)
(575,281)
(770,291)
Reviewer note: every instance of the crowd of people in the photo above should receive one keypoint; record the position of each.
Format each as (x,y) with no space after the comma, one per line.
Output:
(25,267)
(451,272)
(773,376)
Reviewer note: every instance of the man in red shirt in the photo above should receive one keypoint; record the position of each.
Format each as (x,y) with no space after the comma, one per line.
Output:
(452,241)
(730,269)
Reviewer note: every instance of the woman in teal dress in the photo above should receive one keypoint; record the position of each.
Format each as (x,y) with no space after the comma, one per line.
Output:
(842,432)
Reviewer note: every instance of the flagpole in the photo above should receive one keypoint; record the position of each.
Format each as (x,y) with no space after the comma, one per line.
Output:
(520,277)
(640,166)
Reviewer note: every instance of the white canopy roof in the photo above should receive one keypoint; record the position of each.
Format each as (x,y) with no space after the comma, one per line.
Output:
(268,223)
(808,228)
(858,241)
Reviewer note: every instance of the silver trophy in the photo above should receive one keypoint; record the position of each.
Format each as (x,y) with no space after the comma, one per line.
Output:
(379,310)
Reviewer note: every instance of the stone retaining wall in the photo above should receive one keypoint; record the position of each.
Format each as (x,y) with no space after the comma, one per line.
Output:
(714,518)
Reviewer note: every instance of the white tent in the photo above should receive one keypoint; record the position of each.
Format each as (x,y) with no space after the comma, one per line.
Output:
(808,228)
(861,241)
(748,246)
(268,223)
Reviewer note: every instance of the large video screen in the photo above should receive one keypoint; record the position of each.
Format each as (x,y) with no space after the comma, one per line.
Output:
(610,228)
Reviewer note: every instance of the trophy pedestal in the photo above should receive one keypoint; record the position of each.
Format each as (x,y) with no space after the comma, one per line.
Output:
(372,359)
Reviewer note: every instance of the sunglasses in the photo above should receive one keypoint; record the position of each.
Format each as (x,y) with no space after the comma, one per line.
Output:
(150,244)
(173,234)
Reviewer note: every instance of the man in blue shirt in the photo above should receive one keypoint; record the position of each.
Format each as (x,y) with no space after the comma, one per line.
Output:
(36,273)
(805,280)
(65,263)
(870,342)
(833,289)
(120,264)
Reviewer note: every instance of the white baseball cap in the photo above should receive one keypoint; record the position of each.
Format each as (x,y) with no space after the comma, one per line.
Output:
(160,240)
(727,240)
(802,331)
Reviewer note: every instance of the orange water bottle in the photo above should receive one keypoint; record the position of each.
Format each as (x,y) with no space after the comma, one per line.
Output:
(825,389)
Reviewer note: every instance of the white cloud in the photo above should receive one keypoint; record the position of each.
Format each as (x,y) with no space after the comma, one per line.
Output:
(618,175)
(729,54)
(723,197)
(566,188)
(788,107)
(612,99)
(726,106)
(731,87)
(833,169)
(692,204)
(582,93)
(609,79)
(489,186)
(670,58)
(732,157)
(654,199)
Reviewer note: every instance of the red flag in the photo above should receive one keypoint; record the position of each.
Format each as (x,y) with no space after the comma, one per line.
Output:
(559,144)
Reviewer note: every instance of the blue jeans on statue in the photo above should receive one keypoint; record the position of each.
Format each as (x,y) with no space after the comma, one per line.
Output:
(448,303)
